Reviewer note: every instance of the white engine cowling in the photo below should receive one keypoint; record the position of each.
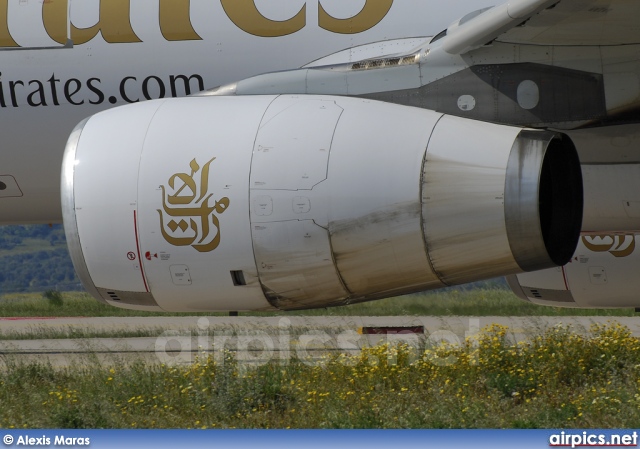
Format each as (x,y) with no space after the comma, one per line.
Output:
(290,202)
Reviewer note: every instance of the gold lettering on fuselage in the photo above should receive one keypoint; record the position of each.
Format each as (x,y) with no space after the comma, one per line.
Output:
(617,245)
(175,21)
(5,36)
(202,232)
(245,15)
(114,23)
(371,15)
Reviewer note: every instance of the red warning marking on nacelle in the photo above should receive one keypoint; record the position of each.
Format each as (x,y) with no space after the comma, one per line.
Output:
(131,255)
(148,255)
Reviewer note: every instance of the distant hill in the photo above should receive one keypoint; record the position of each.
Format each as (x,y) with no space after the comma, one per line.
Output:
(35,258)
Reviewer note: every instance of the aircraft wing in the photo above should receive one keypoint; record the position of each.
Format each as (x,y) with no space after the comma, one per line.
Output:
(540,22)
(580,22)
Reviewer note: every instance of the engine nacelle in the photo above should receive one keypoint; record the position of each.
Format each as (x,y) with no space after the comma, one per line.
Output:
(602,274)
(291,202)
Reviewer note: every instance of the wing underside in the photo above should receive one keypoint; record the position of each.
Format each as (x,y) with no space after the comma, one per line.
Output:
(548,22)
(581,22)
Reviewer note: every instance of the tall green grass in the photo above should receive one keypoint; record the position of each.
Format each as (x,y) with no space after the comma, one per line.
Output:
(476,302)
(556,380)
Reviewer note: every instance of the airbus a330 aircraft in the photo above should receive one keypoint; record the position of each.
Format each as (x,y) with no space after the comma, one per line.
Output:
(325,152)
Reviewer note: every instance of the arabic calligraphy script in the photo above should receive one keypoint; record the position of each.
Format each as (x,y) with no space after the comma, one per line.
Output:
(192,221)
(617,245)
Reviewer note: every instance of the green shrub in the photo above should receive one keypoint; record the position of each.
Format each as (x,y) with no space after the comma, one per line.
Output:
(54,297)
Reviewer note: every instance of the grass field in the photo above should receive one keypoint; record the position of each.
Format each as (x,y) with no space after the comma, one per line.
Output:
(557,380)
(475,302)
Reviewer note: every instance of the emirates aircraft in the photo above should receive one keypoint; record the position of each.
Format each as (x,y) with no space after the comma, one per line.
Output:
(286,154)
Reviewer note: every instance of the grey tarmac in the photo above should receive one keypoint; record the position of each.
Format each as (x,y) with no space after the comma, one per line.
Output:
(255,340)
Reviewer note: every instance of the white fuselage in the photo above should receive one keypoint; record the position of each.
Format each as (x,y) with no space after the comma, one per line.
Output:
(157,49)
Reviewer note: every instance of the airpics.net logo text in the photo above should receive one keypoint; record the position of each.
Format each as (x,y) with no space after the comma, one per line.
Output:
(590,439)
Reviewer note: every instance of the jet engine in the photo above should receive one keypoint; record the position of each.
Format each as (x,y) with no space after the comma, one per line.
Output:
(292,202)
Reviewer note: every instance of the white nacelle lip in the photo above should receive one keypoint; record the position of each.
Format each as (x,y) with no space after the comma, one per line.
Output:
(119,298)
(72,235)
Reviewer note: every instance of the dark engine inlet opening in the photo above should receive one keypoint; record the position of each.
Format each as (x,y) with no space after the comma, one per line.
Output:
(561,200)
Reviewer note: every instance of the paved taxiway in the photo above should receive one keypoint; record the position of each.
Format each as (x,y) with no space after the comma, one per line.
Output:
(251,339)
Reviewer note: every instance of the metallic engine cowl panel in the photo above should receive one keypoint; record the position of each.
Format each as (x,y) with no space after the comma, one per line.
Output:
(543,199)
(458,201)
(498,200)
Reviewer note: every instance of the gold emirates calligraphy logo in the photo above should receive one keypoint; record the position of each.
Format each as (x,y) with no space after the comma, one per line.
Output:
(190,201)
(617,245)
